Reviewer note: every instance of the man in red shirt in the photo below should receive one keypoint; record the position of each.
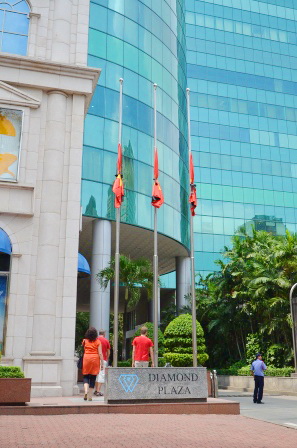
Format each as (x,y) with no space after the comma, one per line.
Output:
(100,379)
(142,350)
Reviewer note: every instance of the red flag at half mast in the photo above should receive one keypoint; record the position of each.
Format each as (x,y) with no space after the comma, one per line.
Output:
(118,186)
(193,195)
(157,194)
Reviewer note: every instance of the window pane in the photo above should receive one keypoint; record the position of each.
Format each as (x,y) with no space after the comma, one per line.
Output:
(16,23)
(12,43)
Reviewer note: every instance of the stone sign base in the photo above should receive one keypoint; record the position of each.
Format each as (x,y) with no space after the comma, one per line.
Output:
(156,385)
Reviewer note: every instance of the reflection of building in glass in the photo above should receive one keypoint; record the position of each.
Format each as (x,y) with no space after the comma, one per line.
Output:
(91,207)
(242,74)
(269,224)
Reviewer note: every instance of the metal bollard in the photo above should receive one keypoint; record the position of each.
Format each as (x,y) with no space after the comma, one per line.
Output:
(214,384)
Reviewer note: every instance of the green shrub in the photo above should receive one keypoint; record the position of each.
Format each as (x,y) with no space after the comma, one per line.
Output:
(230,371)
(178,342)
(127,363)
(161,362)
(246,371)
(278,356)
(283,371)
(253,346)
(150,334)
(11,372)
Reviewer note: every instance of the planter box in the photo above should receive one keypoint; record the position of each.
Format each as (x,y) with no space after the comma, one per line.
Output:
(276,384)
(15,391)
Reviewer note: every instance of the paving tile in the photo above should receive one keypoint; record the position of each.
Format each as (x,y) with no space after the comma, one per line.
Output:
(150,431)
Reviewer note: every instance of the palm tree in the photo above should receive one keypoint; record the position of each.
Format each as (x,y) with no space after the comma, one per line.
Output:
(135,275)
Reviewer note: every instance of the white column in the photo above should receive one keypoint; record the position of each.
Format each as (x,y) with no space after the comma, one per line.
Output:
(43,365)
(61,38)
(101,254)
(49,226)
(183,280)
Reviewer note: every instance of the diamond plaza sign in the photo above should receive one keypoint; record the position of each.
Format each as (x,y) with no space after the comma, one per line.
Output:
(156,384)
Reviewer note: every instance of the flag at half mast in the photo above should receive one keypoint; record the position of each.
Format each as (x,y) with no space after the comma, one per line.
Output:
(118,186)
(193,195)
(157,194)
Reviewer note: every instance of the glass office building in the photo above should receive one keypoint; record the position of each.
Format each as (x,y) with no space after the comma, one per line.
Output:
(144,43)
(242,71)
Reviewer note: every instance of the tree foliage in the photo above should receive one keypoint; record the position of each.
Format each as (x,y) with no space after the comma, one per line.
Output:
(178,342)
(249,295)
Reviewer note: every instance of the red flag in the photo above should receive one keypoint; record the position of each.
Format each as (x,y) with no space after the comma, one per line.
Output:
(156,165)
(157,195)
(193,199)
(191,167)
(118,189)
(120,159)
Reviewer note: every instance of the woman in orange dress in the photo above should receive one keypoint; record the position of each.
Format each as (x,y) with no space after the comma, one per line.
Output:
(91,361)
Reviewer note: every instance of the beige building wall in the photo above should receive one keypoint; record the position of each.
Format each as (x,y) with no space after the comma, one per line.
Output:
(41,212)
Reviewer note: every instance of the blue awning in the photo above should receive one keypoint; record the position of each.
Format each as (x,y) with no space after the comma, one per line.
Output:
(83,266)
(5,244)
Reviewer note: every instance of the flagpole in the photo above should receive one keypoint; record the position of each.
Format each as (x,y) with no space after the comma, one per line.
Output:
(117,249)
(193,295)
(155,260)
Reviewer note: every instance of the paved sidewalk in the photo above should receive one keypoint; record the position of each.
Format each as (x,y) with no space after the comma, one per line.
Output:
(280,409)
(149,431)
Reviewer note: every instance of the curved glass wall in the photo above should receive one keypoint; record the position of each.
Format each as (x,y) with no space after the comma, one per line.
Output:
(14,26)
(242,71)
(142,42)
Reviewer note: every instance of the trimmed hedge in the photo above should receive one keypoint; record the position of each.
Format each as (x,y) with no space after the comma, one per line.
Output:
(11,372)
(178,342)
(245,371)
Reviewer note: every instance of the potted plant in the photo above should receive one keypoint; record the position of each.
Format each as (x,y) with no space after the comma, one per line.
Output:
(14,387)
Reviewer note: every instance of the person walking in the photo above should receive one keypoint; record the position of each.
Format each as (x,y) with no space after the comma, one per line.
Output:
(92,361)
(142,350)
(100,379)
(258,367)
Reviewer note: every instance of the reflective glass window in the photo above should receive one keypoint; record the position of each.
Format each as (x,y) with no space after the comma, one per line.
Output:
(14,26)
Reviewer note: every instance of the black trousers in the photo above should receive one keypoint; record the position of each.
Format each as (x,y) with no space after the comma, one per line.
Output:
(90,379)
(259,386)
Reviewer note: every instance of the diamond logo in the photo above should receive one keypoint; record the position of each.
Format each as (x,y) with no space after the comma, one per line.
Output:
(128,381)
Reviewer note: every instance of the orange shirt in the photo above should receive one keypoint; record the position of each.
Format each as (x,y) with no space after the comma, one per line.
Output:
(142,346)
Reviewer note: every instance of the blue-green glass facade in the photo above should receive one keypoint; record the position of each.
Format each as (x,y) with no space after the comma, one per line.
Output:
(242,72)
(144,43)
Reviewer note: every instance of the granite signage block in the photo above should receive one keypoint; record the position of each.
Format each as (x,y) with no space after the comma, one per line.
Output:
(170,384)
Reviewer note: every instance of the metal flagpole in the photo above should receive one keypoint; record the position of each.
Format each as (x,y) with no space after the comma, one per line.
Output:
(293,308)
(117,251)
(193,295)
(155,260)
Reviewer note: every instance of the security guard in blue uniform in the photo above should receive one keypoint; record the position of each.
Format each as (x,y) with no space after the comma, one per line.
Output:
(258,366)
